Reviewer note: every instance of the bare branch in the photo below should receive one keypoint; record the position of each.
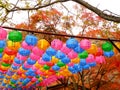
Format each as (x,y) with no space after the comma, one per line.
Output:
(98,11)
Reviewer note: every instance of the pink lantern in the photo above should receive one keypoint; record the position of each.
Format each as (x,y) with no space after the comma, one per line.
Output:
(56,44)
(34,68)
(100,59)
(37,51)
(65,49)
(34,56)
(34,79)
(20,57)
(40,72)
(85,44)
(70,64)
(41,62)
(90,58)
(72,55)
(26,46)
(3,34)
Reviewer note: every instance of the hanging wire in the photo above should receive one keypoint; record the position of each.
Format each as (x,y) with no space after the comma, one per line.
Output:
(56,34)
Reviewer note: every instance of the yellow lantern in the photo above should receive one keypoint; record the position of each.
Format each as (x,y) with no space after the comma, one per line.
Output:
(43,44)
(54,59)
(13,45)
(37,65)
(75,60)
(93,49)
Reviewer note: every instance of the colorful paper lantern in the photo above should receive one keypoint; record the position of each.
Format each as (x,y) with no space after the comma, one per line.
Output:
(2,43)
(83,55)
(3,34)
(31,40)
(23,52)
(60,64)
(13,45)
(56,44)
(46,57)
(60,55)
(107,46)
(15,36)
(37,51)
(46,67)
(50,51)
(55,67)
(72,43)
(109,54)
(85,44)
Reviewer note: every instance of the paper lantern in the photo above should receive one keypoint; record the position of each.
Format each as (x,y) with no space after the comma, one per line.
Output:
(65,49)
(75,60)
(77,67)
(83,55)
(21,57)
(92,64)
(30,61)
(72,70)
(1,50)
(72,55)
(65,60)
(41,62)
(49,63)
(3,34)
(90,58)
(50,51)
(24,69)
(109,54)
(99,52)
(46,67)
(31,40)
(2,43)
(10,51)
(16,60)
(107,46)
(78,49)
(100,59)
(82,62)
(43,44)
(23,52)
(1,55)
(72,43)
(34,56)
(55,67)
(37,51)
(86,67)
(27,65)
(60,64)
(56,44)
(60,55)
(54,59)
(85,44)
(93,49)
(13,45)
(46,57)
(5,64)
(26,46)
(15,36)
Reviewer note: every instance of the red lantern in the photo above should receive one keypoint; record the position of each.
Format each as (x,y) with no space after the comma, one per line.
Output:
(10,51)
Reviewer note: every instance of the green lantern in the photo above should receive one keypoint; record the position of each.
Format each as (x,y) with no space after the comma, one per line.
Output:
(107,46)
(83,55)
(11,82)
(1,50)
(46,67)
(5,64)
(37,76)
(60,64)
(15,36)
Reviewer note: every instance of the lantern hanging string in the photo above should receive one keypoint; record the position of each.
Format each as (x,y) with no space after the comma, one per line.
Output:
(56,34)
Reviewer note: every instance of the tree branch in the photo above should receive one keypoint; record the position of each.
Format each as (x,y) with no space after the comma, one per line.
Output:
(98,11)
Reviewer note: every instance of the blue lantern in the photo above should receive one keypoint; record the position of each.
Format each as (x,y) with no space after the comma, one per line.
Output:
(109,54)
(72,43)
(65,60)
(2,43)
(77,67)
(23,67)
(78,49)
(27,80)
(16,60)
(0,55)
(13,80)
(55,67)
(46,57)
(60,55)
(92,64)
(72,70)
(15,67)
(30,61)
(24,52)
(86,67)
(31,40)
(82,62)
(51,52)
